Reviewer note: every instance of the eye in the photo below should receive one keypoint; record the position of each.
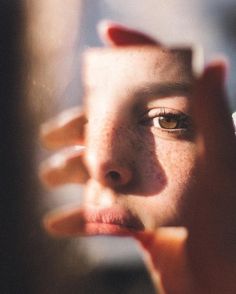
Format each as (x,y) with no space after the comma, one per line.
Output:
(170,121)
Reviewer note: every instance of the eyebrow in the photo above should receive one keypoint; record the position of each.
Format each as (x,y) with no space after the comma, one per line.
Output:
(159,90)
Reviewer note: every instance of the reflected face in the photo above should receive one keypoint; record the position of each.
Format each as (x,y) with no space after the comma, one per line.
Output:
(140,152)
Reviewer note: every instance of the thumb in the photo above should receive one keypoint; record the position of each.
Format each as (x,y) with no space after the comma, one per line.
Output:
(166,256)
(115,34)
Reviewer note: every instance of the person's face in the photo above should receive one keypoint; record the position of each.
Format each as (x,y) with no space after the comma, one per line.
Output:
(140,152)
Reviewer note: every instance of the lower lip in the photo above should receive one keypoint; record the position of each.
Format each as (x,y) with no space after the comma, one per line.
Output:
(88,221)
(110,221)
(91,229)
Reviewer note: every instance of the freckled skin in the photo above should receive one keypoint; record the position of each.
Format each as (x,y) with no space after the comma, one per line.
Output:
(154,166)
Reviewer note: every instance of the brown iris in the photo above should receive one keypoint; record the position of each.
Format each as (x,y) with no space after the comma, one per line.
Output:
(166,122)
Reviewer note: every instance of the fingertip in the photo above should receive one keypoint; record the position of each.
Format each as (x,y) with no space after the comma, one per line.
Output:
(115,34)
(103,30)
(210,86)
(66,129)
(66,221)
(216,71)
(219,61)
(64,167)
(112,33)
(162,238)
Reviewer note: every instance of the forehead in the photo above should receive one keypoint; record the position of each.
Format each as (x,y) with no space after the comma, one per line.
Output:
(109,73)
(118,77)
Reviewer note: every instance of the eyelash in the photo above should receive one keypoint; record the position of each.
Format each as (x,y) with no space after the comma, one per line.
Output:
(167,113)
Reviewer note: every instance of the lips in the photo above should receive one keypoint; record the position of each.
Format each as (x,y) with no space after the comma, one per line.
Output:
(87,221)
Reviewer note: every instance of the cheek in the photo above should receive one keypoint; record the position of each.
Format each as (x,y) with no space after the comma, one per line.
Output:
(176,163)
(165,164)
(150,174)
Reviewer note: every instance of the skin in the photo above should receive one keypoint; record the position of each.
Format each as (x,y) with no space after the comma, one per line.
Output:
(197,175)
(138,170)
(153,165)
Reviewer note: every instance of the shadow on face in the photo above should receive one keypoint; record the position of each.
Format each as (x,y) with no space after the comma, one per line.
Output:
(139,147)
(123,87)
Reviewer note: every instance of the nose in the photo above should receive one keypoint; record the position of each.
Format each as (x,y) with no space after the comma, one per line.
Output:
(108,158)
(110,172)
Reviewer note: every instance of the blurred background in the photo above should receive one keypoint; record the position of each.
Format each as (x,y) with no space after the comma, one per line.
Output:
(40,57)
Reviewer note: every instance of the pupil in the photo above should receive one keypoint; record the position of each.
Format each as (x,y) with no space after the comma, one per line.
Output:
(168,123)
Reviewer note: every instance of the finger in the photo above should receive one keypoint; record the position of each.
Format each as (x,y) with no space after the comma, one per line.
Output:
(212,204)
(65,222)
(64,130)
(64,167)
(213,120)
(114,34)
(166,249)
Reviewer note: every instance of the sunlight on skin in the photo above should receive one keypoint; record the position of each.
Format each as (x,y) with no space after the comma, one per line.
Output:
(201,260)
(164,84)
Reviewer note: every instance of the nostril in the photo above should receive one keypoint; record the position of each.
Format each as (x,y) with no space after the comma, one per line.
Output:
(114,176)
(118,177)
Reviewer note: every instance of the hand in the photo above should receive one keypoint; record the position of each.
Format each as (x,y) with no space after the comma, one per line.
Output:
(199,259)
(202,258)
